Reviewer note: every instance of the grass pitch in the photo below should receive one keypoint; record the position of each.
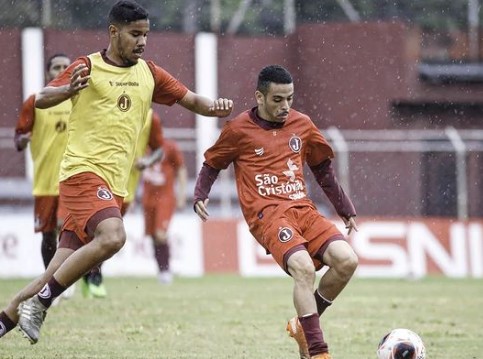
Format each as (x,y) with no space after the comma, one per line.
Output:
(226,316)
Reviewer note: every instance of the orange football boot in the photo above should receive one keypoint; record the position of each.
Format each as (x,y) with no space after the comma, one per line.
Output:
(295,330)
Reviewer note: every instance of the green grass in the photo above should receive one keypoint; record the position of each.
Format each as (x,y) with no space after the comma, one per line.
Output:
(228,316)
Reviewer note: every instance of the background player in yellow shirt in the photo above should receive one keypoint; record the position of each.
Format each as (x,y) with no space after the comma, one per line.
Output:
(46,130)
(111,93)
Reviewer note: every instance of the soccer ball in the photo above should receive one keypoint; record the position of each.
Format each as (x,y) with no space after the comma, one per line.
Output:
(401,344)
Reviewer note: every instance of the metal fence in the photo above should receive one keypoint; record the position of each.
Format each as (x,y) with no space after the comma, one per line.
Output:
(385,172)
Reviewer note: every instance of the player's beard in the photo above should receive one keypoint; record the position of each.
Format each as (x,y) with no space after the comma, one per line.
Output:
(125,59)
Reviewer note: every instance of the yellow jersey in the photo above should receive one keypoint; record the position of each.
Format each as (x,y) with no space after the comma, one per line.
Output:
(106,121)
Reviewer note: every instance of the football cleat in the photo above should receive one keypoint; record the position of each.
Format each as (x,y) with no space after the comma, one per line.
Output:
(92,286)
(31,317)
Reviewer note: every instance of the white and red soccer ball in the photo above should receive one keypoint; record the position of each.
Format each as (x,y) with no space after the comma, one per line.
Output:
(401,344)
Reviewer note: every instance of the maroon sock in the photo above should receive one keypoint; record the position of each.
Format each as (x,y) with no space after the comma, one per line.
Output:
(161,252)
(313,334)
(50,291)
(322,303)
(6,324)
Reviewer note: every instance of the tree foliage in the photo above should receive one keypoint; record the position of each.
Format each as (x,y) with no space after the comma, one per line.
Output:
(262,16)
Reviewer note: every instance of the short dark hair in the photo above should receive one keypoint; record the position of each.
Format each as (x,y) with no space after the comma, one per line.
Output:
(272,74)
(125,11)
(51,58)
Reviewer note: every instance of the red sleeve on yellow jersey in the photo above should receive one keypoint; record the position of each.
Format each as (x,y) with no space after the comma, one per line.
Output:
(225,150)
(26,121)
(64,77)
(167,90)
(27,116)
(156,138)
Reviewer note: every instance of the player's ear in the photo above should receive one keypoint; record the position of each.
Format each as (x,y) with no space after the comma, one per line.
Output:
(259,97)
(113,31)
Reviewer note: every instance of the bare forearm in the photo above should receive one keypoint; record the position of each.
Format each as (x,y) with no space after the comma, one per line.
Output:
(155,157)
(182,178)
(200,105)
(221,107)
(53,95)
(50,96)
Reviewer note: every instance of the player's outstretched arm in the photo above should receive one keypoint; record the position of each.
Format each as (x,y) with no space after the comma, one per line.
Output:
(221,107)
(53,95)
(149,160)
(204,182)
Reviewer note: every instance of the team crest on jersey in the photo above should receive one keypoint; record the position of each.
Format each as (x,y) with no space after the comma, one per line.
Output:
(295,144)
(60,126)
(124,102)
(285,234)
(104,194)
(45,292)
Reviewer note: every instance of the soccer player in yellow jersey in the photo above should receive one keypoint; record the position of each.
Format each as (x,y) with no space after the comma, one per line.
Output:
(46,131)
(111,92)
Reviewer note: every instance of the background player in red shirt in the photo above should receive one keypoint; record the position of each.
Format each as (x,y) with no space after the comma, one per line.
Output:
(269,146)
(160,201)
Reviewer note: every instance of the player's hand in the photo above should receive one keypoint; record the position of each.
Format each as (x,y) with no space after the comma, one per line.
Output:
(142,163)
(79,78)
(23,140)
(222,107)
(200,209)
(350,224)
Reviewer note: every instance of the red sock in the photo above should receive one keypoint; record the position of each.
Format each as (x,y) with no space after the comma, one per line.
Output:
(313,334)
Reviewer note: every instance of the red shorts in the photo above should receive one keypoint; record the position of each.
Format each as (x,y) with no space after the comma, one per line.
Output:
(157,216)
(84,195)
(61,214)
(280,230)
(45,212)
(125,206)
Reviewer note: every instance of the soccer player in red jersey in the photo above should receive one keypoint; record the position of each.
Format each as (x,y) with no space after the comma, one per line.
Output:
(269,146)
(111,92)
(160,201)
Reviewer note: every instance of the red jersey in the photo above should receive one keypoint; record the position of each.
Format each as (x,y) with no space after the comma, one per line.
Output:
(159,179)
(269,162)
